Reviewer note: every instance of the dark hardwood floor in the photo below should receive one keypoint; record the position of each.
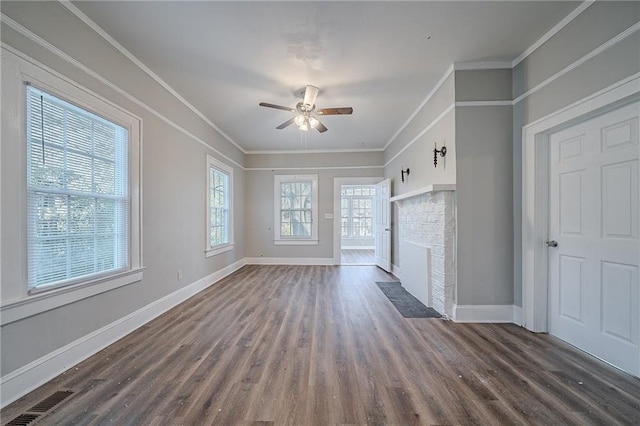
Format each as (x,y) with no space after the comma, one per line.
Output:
(321,345)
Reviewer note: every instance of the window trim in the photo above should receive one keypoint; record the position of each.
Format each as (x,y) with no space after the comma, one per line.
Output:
(293,240)
(228,170)
(92,107)
(18,301)
(95,104)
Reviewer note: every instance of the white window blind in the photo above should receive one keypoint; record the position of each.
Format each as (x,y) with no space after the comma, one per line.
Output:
(78,192)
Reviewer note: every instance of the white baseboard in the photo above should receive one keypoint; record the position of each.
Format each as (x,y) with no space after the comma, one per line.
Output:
(25,379)
(485,313)
(289,261)
(518,318)
(395,271)
(357,248)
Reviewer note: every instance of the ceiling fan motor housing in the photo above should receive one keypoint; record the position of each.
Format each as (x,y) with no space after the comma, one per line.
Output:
(310,94)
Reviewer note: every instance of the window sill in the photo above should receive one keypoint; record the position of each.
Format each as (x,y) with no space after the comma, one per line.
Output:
(43,301)
(219,250)
(293,242)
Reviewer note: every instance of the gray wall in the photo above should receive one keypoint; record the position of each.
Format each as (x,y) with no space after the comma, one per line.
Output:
(599,23)
(259,197)
(418,156)
(173,180)
(484,189)
(484,205)
(481,142)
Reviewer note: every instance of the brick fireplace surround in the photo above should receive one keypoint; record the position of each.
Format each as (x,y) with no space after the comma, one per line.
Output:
(427,237)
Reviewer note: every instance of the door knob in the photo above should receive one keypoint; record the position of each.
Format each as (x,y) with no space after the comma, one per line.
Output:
(387,229)
(552,243)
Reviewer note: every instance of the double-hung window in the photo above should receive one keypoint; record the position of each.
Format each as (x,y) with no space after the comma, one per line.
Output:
(79,181)
(219,203)
(296,209)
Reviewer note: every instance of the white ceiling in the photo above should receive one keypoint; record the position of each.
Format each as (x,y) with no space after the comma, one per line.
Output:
(381,58)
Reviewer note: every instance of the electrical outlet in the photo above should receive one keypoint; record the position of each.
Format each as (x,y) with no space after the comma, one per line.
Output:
(179,274)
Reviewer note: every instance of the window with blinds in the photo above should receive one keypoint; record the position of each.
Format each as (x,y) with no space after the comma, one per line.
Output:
(219,183)
(77,193)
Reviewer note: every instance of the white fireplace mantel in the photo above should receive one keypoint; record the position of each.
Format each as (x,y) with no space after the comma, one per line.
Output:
(425,190)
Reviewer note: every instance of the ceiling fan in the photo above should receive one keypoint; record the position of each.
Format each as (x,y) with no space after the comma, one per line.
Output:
(306,111)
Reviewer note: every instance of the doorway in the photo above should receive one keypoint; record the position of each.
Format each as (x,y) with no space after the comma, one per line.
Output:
(354,218)
(357,242)
(585,292)
(594,299)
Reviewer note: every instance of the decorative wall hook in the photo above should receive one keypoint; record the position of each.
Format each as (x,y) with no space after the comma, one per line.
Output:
(442,151)
(404,172)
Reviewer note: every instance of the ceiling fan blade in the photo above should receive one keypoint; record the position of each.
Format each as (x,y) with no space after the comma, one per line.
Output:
(321,127)
(286,123)
(284,108)
(335,111)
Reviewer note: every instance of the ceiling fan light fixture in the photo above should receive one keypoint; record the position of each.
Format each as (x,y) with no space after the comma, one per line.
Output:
(305,111)
(299,120)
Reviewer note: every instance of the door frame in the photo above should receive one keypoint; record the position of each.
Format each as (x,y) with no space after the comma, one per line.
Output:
(337,196)
(535,191)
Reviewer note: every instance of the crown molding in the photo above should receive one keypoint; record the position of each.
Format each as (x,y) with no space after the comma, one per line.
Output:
(271,169)
(79,65)
(553,31)
(314,151)
(435,121)
(486,65)
(483,103)
(113,42)
(440,82)
(626,33)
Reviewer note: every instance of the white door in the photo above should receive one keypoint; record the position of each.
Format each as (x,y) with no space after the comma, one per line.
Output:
(593,271)
(382,228)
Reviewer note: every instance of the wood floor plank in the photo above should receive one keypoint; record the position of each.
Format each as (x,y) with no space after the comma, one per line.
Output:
(321,345)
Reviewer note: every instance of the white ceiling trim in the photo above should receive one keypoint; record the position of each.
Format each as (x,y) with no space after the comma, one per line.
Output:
(490,65)
(451,69)
(435,121)
(64,56)
(483,103)
(553,31)
(102,33)
(315,151)
(589,98)
(440,82)
(312,168)
(626,33)
(495,64)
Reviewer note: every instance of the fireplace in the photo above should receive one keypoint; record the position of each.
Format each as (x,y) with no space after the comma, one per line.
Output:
(426,252)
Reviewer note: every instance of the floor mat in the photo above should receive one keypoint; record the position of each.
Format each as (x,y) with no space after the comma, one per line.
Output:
(405,303)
